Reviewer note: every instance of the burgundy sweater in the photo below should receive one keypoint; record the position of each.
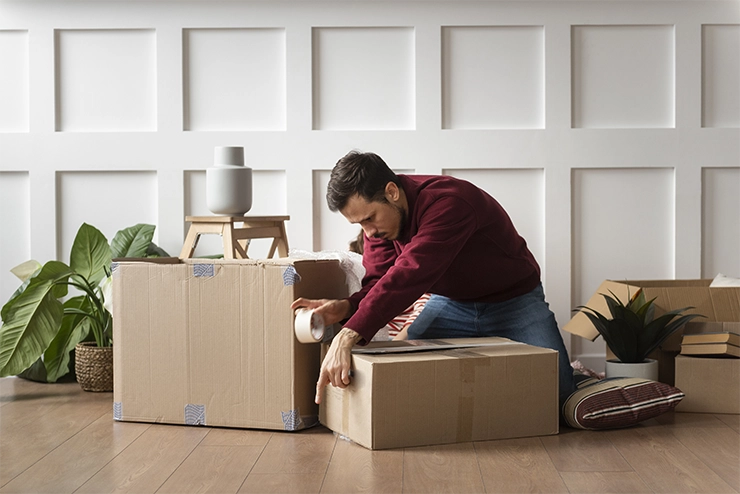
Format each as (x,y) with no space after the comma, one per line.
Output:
(459,242)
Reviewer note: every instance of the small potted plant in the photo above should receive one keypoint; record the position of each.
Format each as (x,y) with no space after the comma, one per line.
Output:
(42,327)
(632,332)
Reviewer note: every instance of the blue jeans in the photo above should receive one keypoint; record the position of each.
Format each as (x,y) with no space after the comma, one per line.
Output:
(527,319)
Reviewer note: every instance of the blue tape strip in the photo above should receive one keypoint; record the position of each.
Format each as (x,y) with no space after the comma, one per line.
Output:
(291,276)
(195,414)
(292,420)
(204,270)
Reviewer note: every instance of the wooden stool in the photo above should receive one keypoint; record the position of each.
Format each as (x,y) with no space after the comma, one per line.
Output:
(236,239)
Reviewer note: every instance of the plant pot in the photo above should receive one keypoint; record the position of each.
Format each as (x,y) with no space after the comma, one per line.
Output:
(648,369)
(94,366)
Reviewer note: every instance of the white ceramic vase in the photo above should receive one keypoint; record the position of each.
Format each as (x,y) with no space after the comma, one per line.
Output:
(645,370)
(229,182)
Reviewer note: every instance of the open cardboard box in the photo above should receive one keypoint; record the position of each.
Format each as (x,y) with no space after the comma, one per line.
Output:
(718,304)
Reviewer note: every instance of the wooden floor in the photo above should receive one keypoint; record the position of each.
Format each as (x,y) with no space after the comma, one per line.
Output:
(58,438)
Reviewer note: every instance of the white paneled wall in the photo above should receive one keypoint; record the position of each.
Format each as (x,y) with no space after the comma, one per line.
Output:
(105,80)
(609,130)
(14,81)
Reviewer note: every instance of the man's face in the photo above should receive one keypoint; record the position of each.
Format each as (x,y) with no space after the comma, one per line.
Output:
(377,219)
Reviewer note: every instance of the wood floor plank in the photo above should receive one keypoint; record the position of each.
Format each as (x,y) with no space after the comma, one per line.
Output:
(36,401)
(444,468)
(518,465)
(25,441)
(584,451)
(682,419)
(76,460)
(236,437)
(283,483)
(296,452)
(354,468)
(719,449)
(148,462)
(216,469)
(15,388)
(604,483)
(733,421)
(664,463)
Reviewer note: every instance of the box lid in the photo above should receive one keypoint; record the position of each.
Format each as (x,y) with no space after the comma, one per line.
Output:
(581,325)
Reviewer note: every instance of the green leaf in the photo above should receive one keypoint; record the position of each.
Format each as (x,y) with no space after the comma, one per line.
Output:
(37,372)
(133,241)
(58,273)
(90,254)
(52,272)
(155,250)
(32,321)
(75,328)
(26,270)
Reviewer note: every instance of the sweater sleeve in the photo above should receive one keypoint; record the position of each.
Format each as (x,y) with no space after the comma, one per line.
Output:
(445,225)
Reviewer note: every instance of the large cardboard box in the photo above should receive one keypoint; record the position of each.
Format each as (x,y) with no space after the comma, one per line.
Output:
(717,304)
(211,342)
(711,385)
(501,389)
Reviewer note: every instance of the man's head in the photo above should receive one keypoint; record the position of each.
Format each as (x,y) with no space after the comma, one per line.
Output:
(368,193)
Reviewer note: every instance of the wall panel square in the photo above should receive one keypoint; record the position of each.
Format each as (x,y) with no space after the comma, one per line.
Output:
(15,224)
(234,79)
(107,200)
(493,77)
(364,78)
(622,229)
(720,222)
(623,76)
(14,103)
(106,80)
(623,226)
(721,75)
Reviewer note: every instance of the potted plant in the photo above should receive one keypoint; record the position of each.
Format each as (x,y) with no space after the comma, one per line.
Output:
(632,332)
(42,326)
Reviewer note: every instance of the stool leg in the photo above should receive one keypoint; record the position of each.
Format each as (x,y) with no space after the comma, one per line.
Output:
(230,246)
(241,247)
(191,241)
(283,244)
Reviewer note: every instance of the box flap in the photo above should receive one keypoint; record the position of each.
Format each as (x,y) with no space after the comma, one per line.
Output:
(581,325)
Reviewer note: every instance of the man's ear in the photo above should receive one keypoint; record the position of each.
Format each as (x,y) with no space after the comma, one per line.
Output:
(392,192)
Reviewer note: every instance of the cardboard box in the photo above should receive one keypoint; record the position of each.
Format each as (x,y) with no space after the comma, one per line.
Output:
(502,389)
(711,385)
(211,342)
(721,304)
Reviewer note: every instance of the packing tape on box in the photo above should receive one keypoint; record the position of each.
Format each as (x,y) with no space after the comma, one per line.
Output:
(309,326)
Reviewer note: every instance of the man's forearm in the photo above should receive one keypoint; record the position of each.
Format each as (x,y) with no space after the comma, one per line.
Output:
(347,338)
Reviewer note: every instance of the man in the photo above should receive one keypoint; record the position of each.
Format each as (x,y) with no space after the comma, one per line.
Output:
(440,235)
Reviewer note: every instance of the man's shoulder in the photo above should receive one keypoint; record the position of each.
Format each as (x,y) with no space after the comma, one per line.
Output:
(431,187)
(434,183)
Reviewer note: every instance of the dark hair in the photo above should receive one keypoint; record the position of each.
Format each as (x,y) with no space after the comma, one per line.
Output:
(358,244)
(360,173)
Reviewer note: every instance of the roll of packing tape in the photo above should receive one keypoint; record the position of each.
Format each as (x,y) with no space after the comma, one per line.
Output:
(309,326)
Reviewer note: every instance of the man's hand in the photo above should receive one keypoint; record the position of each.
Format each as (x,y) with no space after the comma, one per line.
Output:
(336,365)
(403,334)
(332,311)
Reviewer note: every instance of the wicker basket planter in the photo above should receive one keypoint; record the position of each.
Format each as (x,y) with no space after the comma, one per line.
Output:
(94,366)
